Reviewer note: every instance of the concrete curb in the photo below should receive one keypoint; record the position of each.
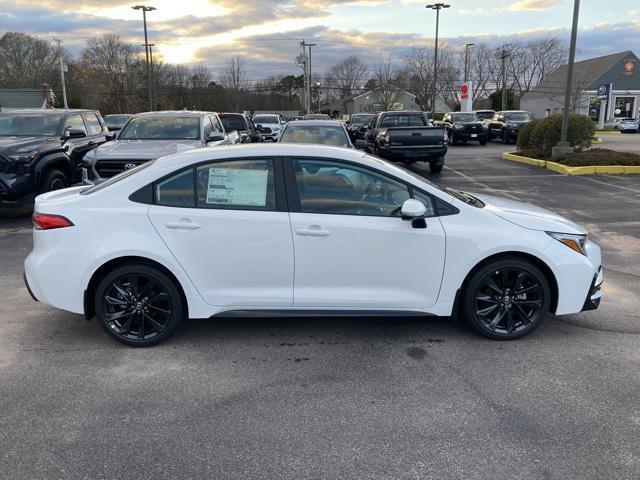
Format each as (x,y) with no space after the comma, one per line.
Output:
(559,168)
(608,132)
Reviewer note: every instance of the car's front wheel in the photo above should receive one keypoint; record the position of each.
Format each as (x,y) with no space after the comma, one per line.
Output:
(138,305)
(53,179)
(506,299)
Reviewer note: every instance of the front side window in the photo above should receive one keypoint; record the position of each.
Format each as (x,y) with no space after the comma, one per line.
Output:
(333,187)
(94,127)
(233,122)
(236,184)
(161,128)
(74,122)
(208,127)
(320,135)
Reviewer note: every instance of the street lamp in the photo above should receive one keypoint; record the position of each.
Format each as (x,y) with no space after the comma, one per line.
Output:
(466,60)
(146,9)
(437,7)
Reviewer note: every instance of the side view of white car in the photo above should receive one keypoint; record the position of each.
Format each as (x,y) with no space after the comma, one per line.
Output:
(301,230)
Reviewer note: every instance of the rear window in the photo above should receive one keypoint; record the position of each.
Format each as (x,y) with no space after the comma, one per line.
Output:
(403,121)
(116,178)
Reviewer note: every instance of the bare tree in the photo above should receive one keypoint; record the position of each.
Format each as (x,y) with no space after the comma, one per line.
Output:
(234,78)
(26,61)
(347,76)
(385,75)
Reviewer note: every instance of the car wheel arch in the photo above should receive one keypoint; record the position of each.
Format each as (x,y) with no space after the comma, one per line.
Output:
(538,262)
(101,271)
(61,162)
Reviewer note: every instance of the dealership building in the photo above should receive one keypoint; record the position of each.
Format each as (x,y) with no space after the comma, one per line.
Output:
(611,82)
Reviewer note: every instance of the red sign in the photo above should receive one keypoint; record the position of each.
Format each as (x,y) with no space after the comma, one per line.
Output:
(464,91)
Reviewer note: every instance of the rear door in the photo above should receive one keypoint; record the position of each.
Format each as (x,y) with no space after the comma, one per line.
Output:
(352,249)
(226,224)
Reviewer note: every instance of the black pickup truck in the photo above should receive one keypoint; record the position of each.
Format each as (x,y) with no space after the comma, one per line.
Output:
(42,150)
(407,137)
(465,127)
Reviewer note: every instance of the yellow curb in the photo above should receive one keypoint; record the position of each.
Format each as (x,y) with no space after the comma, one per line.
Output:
(566,170)
(608,132)
(596,140)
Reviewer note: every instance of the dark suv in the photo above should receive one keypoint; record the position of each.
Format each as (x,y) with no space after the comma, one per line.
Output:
(42,150)
(243,125)
(506,125)
(464,127)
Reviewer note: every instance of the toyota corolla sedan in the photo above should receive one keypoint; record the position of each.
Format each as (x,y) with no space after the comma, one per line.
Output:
(301,230)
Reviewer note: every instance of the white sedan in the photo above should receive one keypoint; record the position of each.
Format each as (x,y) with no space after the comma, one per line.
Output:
(301,230)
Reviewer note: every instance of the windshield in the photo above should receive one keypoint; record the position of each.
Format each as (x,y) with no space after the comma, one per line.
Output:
(361,119)
(265,119)
(517,117)
(317,116)
(485,115)
(116,120)
(464,117)
(233,122)
(416,120)
(161,128)
(334,136)
(28,125)
(116,178)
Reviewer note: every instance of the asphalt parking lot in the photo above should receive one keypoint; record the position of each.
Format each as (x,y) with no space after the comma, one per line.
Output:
(339,398)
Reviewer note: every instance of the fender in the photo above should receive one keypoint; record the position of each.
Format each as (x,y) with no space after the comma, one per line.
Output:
(49,159)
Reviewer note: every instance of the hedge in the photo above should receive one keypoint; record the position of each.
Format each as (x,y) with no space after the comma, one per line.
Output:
(543,134)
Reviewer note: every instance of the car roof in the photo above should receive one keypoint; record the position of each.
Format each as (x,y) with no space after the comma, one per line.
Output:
(174,113)
(49,110)
(315,123)
(227,114)
(513,111)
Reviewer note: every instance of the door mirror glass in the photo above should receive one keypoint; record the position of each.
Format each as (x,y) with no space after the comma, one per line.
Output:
(73,133)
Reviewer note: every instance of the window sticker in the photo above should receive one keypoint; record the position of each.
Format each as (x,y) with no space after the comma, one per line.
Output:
(237,186)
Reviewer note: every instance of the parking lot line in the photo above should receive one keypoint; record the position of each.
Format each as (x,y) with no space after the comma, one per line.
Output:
(483,185)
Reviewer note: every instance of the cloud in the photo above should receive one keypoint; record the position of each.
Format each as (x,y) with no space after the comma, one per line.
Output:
(533,5)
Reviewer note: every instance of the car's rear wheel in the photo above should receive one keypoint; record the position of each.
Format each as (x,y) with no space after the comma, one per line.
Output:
(506,299)
(53,180)
(138,305)
(435,166)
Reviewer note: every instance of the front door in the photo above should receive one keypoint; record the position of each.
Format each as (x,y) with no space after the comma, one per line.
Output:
(352,249)
(229,229)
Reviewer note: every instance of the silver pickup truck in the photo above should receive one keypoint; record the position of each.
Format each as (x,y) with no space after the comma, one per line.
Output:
(407,136)
(147,136)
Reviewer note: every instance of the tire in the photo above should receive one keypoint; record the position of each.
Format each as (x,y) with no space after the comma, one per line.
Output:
(138,305)
(516,314)
(53,179)
(504,138)
(435,166)
(483,141)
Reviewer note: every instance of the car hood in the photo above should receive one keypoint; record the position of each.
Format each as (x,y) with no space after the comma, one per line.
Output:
(529,216)
(22,143)
(144,149)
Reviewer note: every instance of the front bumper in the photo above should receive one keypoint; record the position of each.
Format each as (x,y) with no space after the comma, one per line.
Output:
(472,136)
(272,137)
(595,292)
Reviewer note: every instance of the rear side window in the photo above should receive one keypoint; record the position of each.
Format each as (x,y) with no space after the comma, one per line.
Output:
(94,127)
(176,191)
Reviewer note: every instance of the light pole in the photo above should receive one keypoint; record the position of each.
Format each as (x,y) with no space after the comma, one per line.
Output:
(146,9)
(466,60)
(310,77)
(437,7)
(64,88)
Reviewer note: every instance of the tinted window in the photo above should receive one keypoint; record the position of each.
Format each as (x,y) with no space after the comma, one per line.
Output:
(20,125)
(176,191)
(161,128)
(93,124)
(517,117)
(334,136)
(233,122)
(361,119)
(403,121)
(237,184)
(333,187)
(74,122)
(464,117)
(208,127)
(258,119)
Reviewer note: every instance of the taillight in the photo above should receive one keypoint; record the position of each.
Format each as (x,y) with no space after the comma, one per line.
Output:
(386,139)
(47,221)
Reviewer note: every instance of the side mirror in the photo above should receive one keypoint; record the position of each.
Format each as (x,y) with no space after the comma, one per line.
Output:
(72,133)
(215,137)
(110,136)
(361,144)
(414,210)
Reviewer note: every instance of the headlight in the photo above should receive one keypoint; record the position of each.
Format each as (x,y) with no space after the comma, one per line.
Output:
(574,242)
(25,157)
(457,127)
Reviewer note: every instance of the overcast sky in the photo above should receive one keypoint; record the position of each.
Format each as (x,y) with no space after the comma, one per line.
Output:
(268,33)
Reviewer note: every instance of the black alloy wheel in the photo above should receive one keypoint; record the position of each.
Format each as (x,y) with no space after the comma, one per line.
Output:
(507,299)
(53,180)
(138,305)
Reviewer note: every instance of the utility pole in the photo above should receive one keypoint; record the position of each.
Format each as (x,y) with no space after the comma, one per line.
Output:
(437,7)
(302,61)
(310,81)
(503,56)
(146,9)
(64,88)
(153,87)
(466,60)
(563,146)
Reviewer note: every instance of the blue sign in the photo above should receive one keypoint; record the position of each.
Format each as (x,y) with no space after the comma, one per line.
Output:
(603,91)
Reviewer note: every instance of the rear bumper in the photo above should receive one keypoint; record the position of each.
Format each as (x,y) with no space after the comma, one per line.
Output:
(402,154)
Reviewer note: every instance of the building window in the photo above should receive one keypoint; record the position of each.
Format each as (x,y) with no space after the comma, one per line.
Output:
(624,107)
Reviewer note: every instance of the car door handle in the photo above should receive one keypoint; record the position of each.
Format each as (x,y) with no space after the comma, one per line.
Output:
(182,225)
(314,231)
